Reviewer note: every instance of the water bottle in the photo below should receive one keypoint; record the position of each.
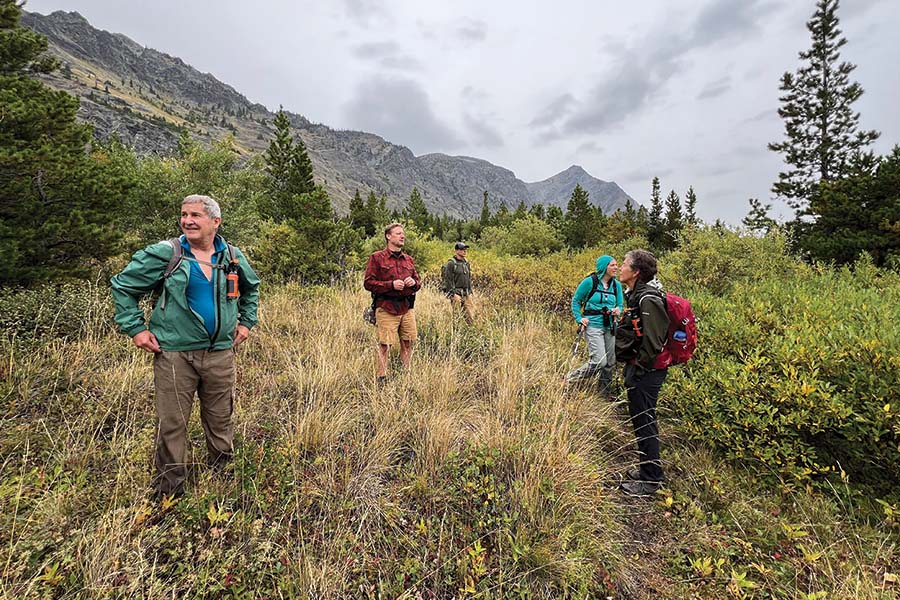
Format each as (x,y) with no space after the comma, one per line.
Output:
(680,336)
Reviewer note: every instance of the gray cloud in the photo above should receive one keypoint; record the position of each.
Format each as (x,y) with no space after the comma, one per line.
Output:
(365,12)
(388,55)
(556,110)
(855,8)
(590,148)
(473,94)
(472,31)
(715,88)
(398,109)
(483,134)
(766,115)
(724,19)
(642,73)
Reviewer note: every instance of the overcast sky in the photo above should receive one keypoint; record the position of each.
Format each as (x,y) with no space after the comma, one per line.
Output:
(686,91)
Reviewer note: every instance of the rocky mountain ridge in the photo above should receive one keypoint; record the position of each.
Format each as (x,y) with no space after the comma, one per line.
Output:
(147,97)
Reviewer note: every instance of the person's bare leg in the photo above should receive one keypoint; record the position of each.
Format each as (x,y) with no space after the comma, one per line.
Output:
(382,359)
(406,348)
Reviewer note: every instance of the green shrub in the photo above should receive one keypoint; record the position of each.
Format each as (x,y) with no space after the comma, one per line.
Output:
(529,236)
(716,259)
(547,281)
(797,368)
(52,311)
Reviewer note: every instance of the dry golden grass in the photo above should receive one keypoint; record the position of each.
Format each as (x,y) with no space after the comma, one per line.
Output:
(474,474)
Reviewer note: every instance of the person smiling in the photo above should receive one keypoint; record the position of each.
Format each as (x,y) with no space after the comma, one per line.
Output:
(207,305)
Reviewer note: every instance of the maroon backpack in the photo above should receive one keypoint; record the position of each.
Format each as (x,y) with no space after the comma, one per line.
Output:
(681,339)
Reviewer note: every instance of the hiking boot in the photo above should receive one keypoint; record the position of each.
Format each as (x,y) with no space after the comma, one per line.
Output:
(639,489)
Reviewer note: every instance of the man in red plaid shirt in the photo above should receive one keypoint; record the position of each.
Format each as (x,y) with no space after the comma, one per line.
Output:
(391,276)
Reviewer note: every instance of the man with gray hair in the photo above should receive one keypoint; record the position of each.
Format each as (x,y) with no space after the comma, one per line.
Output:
(206,308)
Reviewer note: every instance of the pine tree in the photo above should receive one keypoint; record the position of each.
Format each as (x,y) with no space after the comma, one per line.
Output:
(674,221)
(485,219)
(521,211)
(630,218)
(556,219)
(655,225)
(821,138)
(376,213)
(860,213)
(503,217)
(357,211)
(580,219)
(416,212)
(538,211)
(690,208)
(290,175)
(57,203)
(758,218)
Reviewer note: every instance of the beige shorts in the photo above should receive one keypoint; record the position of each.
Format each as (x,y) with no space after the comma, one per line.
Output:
(391,327)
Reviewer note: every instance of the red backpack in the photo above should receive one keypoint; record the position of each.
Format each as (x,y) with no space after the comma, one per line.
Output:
(681,339)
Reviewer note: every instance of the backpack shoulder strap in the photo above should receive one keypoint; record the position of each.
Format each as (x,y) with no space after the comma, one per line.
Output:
(596,283)
(177,256)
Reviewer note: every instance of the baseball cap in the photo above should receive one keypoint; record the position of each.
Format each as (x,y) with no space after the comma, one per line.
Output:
(461,245)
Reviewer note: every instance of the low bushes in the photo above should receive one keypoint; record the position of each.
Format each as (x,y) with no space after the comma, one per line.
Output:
(797,366)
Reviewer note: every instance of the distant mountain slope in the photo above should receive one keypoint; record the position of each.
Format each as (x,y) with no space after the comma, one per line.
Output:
(605,194)
(146,98)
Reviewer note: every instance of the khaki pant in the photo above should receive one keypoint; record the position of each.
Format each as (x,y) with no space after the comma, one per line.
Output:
(466,304)
(393,328)
(177,376)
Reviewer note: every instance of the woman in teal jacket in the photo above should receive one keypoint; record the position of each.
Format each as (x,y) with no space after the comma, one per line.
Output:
(596,305)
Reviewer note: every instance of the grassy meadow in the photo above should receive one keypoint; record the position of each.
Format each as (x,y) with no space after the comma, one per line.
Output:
(475,474)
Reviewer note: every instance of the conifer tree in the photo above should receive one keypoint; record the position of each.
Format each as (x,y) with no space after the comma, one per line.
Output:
(758,218)
(690,208)
(630,218)
(580,220)
(290,174)
(521,211)
(860,213)
(376,214)
(556,218)
(655,224)
(822,142)
(674,221)
(57,203)
(485,219)
(357,210)
(503,216)
(416,212)
(538,211)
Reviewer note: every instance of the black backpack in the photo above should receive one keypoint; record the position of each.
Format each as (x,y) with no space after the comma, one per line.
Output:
(613,289)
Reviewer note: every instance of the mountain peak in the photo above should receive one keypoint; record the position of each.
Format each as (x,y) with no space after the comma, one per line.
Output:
(70,17)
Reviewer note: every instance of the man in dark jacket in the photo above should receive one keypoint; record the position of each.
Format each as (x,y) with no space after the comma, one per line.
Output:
(456,281)
(639,340)
(391,276)
(206,308)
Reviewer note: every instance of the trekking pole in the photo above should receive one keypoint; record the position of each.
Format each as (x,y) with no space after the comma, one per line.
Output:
(577,339)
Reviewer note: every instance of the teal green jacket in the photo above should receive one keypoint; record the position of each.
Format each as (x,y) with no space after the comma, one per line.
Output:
(175,325)
(610,297)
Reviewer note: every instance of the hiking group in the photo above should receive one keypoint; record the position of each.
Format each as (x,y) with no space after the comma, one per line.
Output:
(207,303)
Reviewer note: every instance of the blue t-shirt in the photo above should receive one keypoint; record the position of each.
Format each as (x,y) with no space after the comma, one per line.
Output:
(200,290)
